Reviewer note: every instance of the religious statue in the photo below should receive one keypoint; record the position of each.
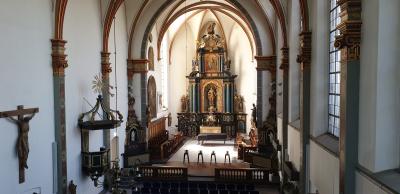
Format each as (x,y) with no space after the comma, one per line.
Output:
(238,100)
(194,65)
(211,28)
(72,187)
(254,114)
(23,140)
(211,98)
(184,103)
(252,134)
(148,114)
(169,119)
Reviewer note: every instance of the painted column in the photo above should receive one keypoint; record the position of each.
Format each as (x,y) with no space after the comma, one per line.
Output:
(285,109)
(59,64)
(266,63)
(105,72)
(304,58)
(349,44)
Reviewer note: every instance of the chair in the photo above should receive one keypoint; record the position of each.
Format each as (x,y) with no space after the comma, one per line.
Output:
(165,185)
(211,186)
(240,187)
(184,191)
(214,191)
(184,185)
(202,185)
(146,185)
(156,185)
(186,155)
(192,185)
(227,156)
(193,191)
(230,187)
(198,157)
(164,191)
(215,157)
(223,191)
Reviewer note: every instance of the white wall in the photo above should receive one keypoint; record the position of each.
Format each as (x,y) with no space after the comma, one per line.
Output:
(319,67)
(294,146)
(121,70)
(379,145)
(365,185)
(27,79)
(294,67)
(324,171)
(82,30)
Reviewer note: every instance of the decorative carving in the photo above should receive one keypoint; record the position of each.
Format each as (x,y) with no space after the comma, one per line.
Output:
(105,63)
(211,41)
(137,66)
(349,39)
(266,63)
(23,130)
(304,57)
(132,124)
(58,56)
(285,59)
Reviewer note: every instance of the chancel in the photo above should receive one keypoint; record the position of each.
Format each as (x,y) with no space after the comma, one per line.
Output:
(200,96)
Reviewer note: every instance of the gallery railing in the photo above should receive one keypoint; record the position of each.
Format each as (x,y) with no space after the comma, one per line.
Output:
(164,173)
(247,175)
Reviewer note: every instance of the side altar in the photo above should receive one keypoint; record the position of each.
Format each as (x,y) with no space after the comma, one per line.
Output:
(211,90)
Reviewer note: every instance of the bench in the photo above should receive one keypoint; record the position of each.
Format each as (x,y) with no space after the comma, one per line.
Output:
(211,136)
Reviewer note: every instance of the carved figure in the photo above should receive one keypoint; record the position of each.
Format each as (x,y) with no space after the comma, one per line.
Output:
(238,103)
(253,135)
(211,28)
(132,124)
(72,187)
(23,140)
(211,98)
(254,113)
(184,103)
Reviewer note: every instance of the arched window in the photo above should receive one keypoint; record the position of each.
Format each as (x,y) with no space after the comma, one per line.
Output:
(334,72)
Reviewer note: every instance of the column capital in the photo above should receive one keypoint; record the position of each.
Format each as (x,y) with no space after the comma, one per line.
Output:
(266,63)
(105,63)
(304,57)
(350,29)
(137,66)
(285,58)
(58,56)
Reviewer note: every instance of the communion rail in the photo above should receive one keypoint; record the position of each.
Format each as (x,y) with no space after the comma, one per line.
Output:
(164,173)
(248,175)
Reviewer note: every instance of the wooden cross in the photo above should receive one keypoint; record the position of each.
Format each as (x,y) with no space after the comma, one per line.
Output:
(22,142)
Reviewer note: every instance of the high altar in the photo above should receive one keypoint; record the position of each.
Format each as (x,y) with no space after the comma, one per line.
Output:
(211,91)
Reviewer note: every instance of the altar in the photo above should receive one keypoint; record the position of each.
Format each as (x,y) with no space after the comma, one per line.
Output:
(211,90)
(210,129)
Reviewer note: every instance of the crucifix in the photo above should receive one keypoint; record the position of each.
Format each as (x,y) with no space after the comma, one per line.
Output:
(23,129)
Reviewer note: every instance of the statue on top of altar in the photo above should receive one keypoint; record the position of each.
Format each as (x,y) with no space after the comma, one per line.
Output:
(211,41)
(211,99)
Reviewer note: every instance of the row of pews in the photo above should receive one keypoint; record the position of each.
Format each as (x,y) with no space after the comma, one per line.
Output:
(159,144)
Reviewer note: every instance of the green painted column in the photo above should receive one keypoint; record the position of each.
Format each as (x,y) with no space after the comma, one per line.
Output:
(59,64)
(349,44)
(304,58)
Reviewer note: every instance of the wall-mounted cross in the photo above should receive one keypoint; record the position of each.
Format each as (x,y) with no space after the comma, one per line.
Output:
(23,129)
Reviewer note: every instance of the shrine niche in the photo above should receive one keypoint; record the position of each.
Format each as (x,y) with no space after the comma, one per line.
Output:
(211,89)
(152,97)
(150,56)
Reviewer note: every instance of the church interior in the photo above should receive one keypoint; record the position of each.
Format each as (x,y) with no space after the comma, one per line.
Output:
(200,96)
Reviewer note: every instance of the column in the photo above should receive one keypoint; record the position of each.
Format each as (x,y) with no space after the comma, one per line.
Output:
(266,63)
(59,64)
(285,108)
(349,44)
(304,58)
(105,72)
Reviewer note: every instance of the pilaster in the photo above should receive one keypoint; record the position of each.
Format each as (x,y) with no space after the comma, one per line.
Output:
(304,58)
(349,44)
(59,64)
